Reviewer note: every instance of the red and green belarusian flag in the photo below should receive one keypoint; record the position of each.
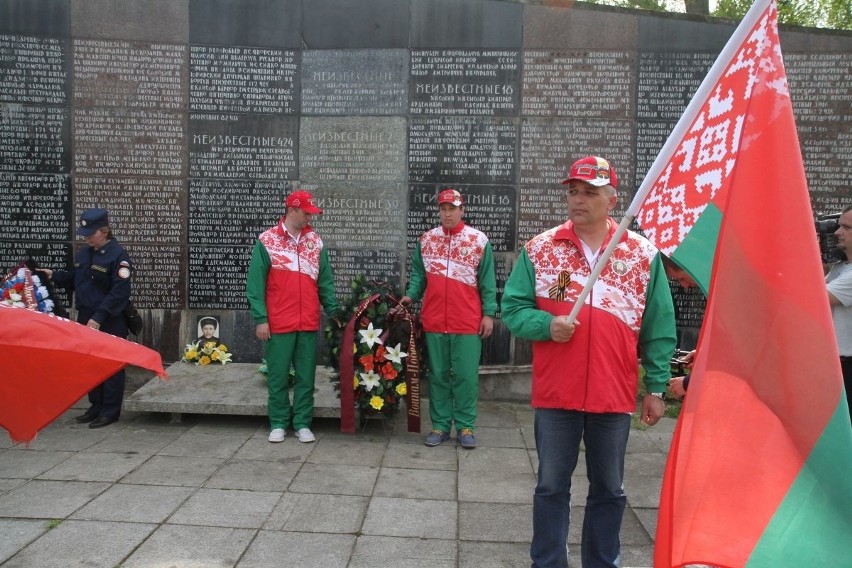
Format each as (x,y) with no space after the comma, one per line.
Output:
(760,468)
(49,363)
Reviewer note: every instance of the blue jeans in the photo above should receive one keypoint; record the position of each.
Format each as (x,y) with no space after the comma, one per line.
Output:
(557,437)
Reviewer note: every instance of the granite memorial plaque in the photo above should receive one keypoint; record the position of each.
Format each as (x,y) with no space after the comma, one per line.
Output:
(550,146)
(465,82)
(141,210)
(689,305)
(667,82)
(827,153)
(462,150)
(34,139)
(336,24)
(650,138)
(36,17)
(469,24)
(124,142)
(165,21)
(243,79)
(33,70)
(232,212)
(355,82)
(381,265)
(352,149)
(36,207)
(217,277)
(159,277)
(578,83)
(541,207)
(490,209)
(243,146)
(361,216)
(129,75)
(819,86)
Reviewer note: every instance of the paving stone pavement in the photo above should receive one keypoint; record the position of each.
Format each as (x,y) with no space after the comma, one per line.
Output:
(212,491)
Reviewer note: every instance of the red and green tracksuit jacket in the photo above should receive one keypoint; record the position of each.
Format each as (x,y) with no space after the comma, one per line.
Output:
(287,281)
(455,268)
(630,306)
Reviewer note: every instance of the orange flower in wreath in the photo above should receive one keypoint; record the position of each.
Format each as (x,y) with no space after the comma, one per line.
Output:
(388,372)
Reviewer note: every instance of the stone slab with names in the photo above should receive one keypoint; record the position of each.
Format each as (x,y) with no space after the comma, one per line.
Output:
(129,74)
(667,82)
(35,138)
(35,207)
(127,142)
(549,147)
(363,215)
(243,146)
(217,277)
(232,212)
(355,149)
(465,82)
(489,209)
(160,280)
(578,83)
(354,82)
(243,79)
(462,150)
(141,210)
(381,265)
(35,70)
(541,207)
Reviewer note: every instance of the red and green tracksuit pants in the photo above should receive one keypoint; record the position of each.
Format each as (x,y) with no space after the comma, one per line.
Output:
(453,379)
(298,348)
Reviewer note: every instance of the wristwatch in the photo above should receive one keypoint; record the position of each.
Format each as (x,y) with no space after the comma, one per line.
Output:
(660,395)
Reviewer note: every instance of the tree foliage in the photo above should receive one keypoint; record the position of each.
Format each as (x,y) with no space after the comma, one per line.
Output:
(833,14)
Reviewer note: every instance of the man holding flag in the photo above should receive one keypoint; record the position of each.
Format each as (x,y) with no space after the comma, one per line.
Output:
(758,472)
(585,372)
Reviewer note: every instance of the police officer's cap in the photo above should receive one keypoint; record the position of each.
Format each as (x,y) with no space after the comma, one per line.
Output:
(91,220)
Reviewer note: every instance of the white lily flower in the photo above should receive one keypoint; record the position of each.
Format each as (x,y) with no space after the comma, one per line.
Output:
(395,354)
(369,380)
(370,336)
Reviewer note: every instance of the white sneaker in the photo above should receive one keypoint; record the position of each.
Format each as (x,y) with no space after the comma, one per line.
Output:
(277,435)
(305,435)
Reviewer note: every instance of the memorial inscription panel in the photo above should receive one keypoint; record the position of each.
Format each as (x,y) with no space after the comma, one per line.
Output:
(490,209)
(578,83)
(541,208)
(232,212)
(352,149)
(359,216)
(381,265)
(129,75)
(217,277)
(243,79)
(465,82)
(667,82)
(141,210)
(160,275)
(355,82)
(33,70)
(243,146)
(35,207)
(462,150)
(550,146)
(34,138)
(129,142)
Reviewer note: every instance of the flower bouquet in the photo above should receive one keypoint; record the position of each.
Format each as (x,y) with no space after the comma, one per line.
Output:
(379,341)
(23,289)
(206,353)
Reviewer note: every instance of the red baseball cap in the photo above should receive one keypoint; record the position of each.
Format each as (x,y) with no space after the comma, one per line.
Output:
(594,170)
(303,200)
(450,196)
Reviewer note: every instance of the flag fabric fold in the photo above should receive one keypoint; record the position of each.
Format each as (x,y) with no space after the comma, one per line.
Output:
(759,469)
(49,363)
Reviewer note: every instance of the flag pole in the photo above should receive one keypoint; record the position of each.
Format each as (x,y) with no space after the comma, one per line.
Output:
(677,134)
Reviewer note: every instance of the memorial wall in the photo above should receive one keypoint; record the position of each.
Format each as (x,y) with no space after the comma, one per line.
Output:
(190,120)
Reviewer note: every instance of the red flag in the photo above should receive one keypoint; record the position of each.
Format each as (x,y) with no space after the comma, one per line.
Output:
(758,472)
(49,362)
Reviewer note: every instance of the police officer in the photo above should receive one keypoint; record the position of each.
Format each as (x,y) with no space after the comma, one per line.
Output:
(100,281)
